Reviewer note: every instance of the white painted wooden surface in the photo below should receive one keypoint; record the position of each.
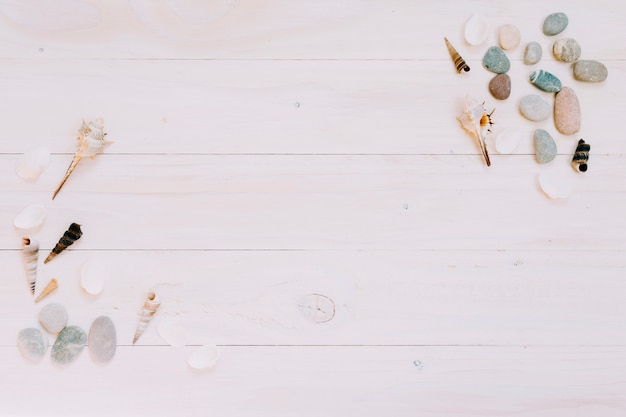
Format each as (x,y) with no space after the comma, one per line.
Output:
(269,150)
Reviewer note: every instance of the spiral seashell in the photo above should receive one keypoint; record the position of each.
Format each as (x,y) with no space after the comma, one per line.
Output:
(30,254)
(147,312)
(581,156)
(459,62)
(71,235)
(52,286)
(477,122)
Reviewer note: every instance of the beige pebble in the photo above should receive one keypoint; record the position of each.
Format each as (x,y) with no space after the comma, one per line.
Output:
(566,111)
(509,37)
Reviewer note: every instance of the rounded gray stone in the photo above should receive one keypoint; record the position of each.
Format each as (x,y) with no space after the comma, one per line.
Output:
(102,340)
(32,343)
(70,342)
(495,60)
(500,86)
(53,318)
(555,24)
(545,146)
(566,50)
(532,53)
(534,108)
(590,71)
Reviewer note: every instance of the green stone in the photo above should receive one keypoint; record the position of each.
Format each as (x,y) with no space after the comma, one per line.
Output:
(545,81)
(495,60)
(69,344)
(555,24)
(545,146)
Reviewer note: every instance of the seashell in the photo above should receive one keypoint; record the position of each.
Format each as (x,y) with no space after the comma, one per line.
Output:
(92,277)
(91,143)
(477,122)
(173,332)
(205,357)
(31,164)
(581,156)
(459,62)
(71,235)
(30,254)
(508,140)
(30,217)
(147,312)
(52,285)
(476,30)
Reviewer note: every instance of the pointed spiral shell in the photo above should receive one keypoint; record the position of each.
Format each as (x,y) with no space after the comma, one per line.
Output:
(71,235)
(458,60)
(30,254)
(147,312)
(581,156)
(51,287)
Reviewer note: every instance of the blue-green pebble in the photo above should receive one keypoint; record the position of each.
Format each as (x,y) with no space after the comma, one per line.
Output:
(545,146)
(546,81)
(555,24)
(495,60)
(69,344)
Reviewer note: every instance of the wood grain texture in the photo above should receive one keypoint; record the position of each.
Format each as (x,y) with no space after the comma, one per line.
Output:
(292,179)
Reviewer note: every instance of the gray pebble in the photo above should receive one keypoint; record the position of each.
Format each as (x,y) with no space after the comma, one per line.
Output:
(590,71)
(555,24)
(69,344)
(532,53)
(32,343)
(102,339)
(566,50)
(534,108)
(53,318)
(545,146)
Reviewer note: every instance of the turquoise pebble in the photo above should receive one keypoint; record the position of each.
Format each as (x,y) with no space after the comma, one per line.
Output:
(545,81)
(495,60)
(545,146)
(555,24)
(69,344)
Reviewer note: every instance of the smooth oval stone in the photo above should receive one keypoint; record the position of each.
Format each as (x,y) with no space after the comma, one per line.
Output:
(545,146)
(53,318)
(566,112)
(532,53)
(555,184)
(590,71)
(508,140)
(70,342)
(500,86)
(509,37)
(476,30)
(205,357)
(545,81)
(534,108)
(566,50)
(31,164)
(32,344)
(102,339)
(555,24)
(495,60)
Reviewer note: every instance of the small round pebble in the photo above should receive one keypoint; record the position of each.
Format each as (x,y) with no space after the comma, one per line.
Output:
(69,344)
(508,140)
(532,53)
(567,112)
(500,86)
(534,108)
(590,71)
(545,147)
(509,37)
(32,344)
(566,50)
(205,357)
(555,24)
(53,318)
(495,60)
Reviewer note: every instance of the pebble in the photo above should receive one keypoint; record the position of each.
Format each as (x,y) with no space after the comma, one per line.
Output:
(555,184)
(495,60)
(545,81)
(509,37)
(590,71)
(69,344)
(53,318)
(92,277)
(500,86)
(545,147)
(102,340)
(476,30)
(566,50)
(566,112)
(534,108)
(30,217)
(32,344)
(205,357)
(555,24)
(532,53)
(508,140)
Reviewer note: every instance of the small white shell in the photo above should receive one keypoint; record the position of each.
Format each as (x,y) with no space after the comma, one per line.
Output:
(508,140)
(205,357)
(31,164)
(92,277)
(476,30)
(173,332)
(555,184)
(30,217)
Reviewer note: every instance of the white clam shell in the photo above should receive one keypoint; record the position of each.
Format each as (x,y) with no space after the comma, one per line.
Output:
(476,30)
(173,332)
(30,217)
(92,277)
(555,184)
(32,163)
(508,140)
(205,357)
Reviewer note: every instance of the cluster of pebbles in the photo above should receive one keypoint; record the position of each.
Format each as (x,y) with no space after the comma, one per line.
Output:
(565,107)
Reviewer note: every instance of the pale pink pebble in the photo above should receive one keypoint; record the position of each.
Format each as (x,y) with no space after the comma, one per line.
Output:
(509,36)
(566,111)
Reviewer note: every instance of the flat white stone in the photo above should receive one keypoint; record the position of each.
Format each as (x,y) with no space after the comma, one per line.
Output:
(555,184)
(508,140)
(92,277)
(32,163)
(205,357)
(173,332)
(476,30)
(30,217)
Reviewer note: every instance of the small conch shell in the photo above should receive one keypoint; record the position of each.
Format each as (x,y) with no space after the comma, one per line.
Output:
(459,62)
(30,253)
(477,122)
(52,285)
(71,235)
(581,156)
(147,312)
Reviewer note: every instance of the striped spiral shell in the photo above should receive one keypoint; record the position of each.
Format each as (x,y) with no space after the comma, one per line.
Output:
(147,312)
(30,254)
(458,60)
(71,235)
(581,156)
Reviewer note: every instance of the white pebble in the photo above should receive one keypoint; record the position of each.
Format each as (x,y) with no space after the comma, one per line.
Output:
(205,357)
(508,140)
(30,217)
(92,277)
(476,30)
(555,184)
